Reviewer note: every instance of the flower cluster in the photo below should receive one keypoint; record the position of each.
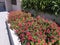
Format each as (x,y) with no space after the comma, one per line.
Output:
(34,31)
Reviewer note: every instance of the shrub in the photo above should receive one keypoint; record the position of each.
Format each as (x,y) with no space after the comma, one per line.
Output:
(52,6)
(34,31)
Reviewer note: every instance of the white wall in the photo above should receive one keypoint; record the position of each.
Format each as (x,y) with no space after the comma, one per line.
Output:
(2,0)
(18,6)
(8,5)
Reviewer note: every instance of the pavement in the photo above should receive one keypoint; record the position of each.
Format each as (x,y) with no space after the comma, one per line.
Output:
(4,39)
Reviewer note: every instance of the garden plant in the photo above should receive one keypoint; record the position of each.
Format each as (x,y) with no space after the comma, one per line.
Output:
(34,31)
(51,6)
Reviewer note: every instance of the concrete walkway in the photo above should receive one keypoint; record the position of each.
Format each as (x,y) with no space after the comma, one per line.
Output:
(4,39)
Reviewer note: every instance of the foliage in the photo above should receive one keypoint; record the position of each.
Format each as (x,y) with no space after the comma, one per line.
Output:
(52,6)
(34,31)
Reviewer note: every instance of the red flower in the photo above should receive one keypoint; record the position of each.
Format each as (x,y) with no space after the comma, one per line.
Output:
(29,23)
(23,31)
(22,35)
(39,41)
(18,17)
(46,20)
(48,31)
(22,39)
(19,24)
(52,25)
(45,44)
(59,33)
(40,28)
(30,37)
(16,31)
(35,27)
(58,28)
(51,37)
(33,40)
(28,33)
(26,28)
(40,33)
(44,31)
(28,43)
(53,41)
(38,17)
(48,43)
(36,33)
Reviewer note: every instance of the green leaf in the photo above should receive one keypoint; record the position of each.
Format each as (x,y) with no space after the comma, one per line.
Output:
(56,13)
(50,44)
(32,43)
(59,41)
(24,43)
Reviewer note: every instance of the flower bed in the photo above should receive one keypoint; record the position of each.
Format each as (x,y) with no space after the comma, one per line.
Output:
(34,31)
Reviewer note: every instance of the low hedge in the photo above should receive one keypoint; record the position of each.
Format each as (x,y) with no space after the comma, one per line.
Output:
(34,31)
(51,6)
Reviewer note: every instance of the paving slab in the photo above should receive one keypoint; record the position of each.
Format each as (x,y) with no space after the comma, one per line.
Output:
(4,39)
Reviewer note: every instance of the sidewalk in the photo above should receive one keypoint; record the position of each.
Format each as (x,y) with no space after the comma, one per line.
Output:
(4,39)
